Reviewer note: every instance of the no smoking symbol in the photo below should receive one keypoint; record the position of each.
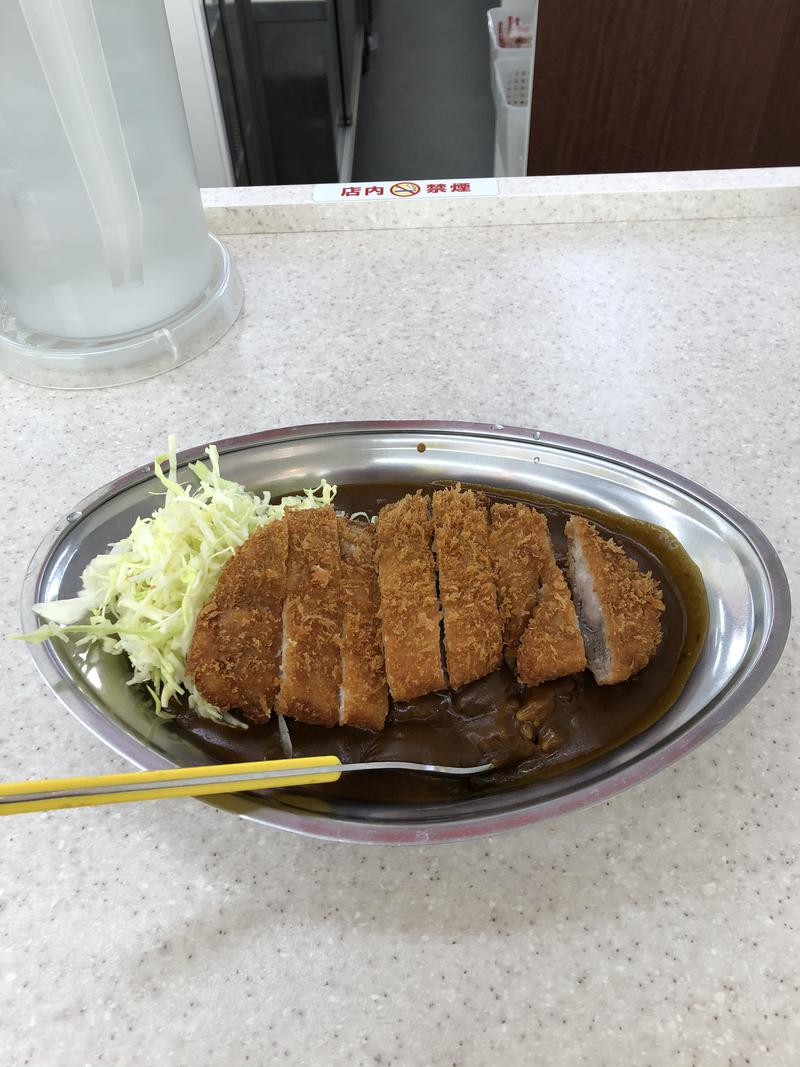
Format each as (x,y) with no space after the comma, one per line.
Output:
(404,189)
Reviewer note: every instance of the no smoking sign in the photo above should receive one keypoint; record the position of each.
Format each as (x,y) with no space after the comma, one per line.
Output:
(405,189)
(362,192)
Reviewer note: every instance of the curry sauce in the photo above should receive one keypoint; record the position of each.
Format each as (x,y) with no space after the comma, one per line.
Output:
(528,733)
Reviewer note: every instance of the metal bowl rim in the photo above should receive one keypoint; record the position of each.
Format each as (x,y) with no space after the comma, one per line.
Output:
(602,787)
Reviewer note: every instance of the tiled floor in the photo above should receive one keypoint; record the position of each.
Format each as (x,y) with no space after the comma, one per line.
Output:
(426,107)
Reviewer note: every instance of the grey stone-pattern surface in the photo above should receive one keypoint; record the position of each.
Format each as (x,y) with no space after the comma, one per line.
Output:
(565,198)
(658,929)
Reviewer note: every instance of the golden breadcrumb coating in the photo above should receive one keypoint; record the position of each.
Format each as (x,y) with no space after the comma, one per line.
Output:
(516,540)
(551,645)
(365,698)
(473,639)
(234,657)
(410,613)
(312,619)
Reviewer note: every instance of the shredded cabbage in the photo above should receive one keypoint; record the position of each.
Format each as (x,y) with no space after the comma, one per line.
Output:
(143,596)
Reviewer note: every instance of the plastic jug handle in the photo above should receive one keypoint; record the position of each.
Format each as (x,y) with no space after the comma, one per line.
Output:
(67,43)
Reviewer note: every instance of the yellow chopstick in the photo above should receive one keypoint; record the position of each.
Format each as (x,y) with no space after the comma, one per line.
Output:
(54,793)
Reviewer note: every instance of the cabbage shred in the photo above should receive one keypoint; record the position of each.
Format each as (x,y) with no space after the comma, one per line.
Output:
(143,596)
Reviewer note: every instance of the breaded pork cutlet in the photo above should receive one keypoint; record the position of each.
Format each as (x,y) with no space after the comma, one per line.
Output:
(311,675)
(551,645)
(519,549)
(364,695)
(619,606)
(473,639)
(410,612)
(234,657)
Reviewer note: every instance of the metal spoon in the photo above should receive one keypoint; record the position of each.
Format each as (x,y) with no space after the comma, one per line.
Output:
(53,793)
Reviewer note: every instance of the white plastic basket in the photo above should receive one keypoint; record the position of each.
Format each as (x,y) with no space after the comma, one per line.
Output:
(508,26)
(511,86)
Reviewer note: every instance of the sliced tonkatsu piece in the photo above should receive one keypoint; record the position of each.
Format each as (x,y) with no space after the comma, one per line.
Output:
(473,639)
(410,612)
(234,657)
(311,674)
(364,695)
(551,645)
(519,547)
(619,606)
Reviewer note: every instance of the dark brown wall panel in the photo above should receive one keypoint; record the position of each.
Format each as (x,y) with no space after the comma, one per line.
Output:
(779,132)
(627,85)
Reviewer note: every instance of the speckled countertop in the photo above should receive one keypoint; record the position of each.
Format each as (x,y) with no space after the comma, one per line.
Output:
(658,929)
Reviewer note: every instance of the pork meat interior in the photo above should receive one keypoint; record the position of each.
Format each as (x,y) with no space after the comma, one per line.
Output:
(619,606)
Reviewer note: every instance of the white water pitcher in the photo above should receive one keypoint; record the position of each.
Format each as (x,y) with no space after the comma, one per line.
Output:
(107,270)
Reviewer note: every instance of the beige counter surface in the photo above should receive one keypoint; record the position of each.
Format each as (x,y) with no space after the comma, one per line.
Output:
(658,929)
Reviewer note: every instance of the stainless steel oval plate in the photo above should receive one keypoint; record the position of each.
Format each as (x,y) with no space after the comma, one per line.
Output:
(747,592)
